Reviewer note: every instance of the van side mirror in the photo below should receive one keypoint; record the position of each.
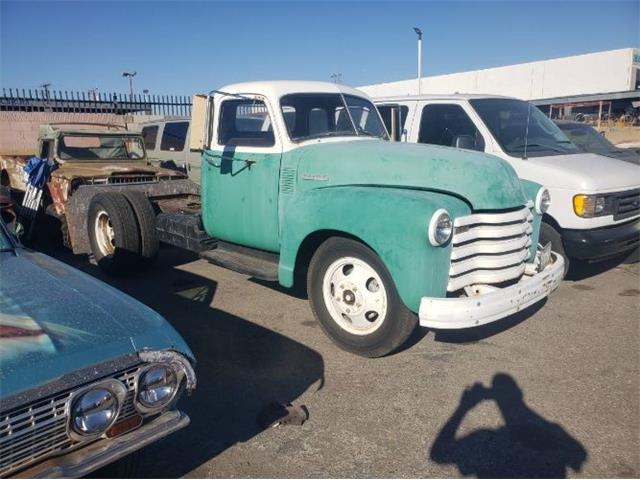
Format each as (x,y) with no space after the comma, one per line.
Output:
(466,142)
(201,118)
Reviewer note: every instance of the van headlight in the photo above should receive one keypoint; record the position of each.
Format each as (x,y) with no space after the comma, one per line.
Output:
(440,228)
(157,386)
(588,206)
(94,410)
(543,201)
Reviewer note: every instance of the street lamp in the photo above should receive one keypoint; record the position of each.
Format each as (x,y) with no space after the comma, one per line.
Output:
(46,86)
(419,33)
(130,76)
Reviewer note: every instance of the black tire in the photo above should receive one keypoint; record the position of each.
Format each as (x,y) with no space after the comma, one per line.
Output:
(550,234)
(395,326)
(146,219)
(121,253)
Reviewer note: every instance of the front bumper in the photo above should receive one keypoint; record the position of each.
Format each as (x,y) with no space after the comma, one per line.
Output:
(494,304)
(85,460)
(602,243)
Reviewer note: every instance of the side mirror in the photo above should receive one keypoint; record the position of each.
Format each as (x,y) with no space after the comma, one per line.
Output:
(466,142)
(201,117)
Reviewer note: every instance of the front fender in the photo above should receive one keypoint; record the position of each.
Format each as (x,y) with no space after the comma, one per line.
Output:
(393,222)
(531,191)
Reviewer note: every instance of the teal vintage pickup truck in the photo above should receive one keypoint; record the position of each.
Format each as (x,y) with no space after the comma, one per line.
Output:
(301,185)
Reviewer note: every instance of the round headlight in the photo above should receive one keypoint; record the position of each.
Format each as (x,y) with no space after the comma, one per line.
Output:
(543,200)
(157,386)
(440,228)
(94,411)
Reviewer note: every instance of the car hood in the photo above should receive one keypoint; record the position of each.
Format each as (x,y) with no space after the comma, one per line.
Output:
(484,181)
(105,169)
(585,172)
(55,320)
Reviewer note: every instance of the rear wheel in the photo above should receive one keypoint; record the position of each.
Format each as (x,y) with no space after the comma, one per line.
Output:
(550,234)
(146,219)
(355,300)
(113,233)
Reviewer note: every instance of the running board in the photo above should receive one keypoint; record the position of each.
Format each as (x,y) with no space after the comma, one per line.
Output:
(249,261)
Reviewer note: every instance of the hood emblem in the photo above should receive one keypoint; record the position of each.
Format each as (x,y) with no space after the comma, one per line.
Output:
(319,178)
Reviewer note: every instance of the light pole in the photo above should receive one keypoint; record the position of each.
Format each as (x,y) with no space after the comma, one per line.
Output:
(336,77)
(46,86)
(419,33)
(130,76)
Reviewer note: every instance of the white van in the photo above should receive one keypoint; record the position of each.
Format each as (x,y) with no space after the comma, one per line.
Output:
(167,142)
(595,207)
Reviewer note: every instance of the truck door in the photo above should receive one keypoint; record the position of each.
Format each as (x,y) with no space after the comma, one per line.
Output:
(446,124)
(241,173)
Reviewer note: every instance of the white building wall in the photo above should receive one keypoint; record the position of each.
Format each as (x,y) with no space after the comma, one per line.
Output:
(593,73)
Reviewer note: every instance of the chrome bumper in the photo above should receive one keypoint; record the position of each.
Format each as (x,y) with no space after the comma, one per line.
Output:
(85,460)
(491,303)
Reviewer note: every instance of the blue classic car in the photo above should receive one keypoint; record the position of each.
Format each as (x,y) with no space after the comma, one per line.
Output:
(88,375)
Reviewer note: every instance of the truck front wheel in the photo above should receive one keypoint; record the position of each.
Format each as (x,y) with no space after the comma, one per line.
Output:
(355,300)
(113,233)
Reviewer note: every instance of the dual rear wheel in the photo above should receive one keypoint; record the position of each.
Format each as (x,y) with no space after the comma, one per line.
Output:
(122,231)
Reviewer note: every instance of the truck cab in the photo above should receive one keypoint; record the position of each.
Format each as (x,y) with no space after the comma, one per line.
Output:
(595,212)
(301,185)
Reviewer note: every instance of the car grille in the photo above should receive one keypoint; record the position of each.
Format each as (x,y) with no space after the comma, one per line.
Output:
(31,433)
(125,180)
(626,204)
(490,248)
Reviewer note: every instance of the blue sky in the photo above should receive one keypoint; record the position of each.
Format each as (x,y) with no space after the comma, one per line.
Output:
(185,47)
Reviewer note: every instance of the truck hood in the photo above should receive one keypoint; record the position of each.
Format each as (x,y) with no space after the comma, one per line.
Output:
(584,172)
(70,170)
(484,181)
(55,320)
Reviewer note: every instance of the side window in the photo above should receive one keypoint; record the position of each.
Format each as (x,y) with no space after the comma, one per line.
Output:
(174,136)
(450,126)
(150,135)
(246,123)
(401,113)
(318,121)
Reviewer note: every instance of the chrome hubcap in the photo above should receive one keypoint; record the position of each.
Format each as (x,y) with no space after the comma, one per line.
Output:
(355,296)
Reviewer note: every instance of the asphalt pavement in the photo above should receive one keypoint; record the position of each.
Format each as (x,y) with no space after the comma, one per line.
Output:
(551,391)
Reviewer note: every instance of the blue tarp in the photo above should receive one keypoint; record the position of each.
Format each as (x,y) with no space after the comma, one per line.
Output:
(38,171)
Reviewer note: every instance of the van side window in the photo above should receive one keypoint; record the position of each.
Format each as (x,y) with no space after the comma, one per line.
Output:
(450,126)
(401,111)
(174,136)
(150,135)
(245,123)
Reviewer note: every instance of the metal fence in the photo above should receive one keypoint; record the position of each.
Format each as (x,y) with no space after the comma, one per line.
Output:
(44,100)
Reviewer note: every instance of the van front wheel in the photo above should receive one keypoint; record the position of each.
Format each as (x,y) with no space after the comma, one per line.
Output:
(355,300)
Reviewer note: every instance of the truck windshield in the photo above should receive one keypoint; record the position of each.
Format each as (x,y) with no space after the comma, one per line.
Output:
(536,137)
(317,115)
(588,139)
(100,147)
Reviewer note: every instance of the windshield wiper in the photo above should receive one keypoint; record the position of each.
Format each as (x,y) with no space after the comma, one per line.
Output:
(538,145)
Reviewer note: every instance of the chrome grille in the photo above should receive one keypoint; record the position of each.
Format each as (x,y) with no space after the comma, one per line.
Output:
(490,248)
(34,432)
(124,180)
(627,204)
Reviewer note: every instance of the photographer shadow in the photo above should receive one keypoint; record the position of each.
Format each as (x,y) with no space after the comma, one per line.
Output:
(527,446)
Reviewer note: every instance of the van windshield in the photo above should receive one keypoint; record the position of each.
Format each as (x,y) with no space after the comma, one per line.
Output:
(317,115)
(536,137)
(100,147)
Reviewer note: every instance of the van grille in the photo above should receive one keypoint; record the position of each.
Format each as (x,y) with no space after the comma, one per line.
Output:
(627,204)
(31,433)
(490,248)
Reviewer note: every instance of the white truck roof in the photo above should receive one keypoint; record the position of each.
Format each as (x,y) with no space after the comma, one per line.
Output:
(446,96)
(279,88)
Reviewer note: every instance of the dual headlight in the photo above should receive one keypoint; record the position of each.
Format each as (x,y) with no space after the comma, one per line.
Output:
(589,206)
(95,409)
